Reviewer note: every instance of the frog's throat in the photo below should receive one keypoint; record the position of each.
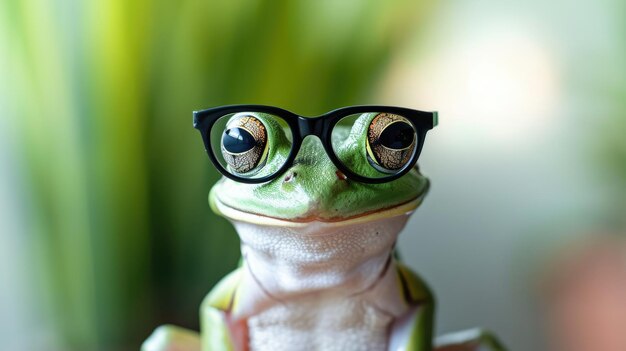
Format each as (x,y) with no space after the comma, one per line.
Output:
(397,210)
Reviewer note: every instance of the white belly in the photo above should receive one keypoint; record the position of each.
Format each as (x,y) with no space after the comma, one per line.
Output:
(320,323)
(319,286)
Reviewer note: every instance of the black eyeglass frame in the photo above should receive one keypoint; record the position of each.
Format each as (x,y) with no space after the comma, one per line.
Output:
(320,126)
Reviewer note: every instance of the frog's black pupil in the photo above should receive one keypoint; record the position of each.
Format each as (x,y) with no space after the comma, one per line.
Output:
(397,135)
(237,140)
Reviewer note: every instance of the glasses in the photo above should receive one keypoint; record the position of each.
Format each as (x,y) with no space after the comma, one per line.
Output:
(368,144)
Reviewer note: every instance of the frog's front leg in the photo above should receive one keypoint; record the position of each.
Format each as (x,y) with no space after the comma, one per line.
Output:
(469,340)
(413,331)
(219,332)
(172,338)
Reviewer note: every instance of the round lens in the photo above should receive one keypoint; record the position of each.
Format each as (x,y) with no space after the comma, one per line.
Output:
(251,144)
(375,144)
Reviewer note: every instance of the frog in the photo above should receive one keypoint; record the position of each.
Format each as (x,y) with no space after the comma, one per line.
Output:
(319,264)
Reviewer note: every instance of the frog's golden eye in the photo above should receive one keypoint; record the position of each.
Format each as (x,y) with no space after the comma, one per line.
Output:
(244,144)
(391,141)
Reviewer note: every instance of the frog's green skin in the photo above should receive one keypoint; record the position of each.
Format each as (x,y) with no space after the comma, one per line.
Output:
(310,200)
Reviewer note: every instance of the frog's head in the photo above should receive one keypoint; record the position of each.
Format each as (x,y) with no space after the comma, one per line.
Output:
(313,189)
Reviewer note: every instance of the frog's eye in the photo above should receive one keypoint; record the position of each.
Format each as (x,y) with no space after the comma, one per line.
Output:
(244,144)
(391,141)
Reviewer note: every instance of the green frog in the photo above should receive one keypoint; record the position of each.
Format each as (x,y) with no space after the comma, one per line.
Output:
(319,269)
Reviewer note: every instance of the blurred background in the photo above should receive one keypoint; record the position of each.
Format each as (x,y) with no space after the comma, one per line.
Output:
(106,231)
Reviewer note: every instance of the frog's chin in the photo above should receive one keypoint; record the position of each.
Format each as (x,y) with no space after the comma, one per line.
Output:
(405,208)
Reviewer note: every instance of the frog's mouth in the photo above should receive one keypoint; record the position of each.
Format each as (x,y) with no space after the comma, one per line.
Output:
(404,208)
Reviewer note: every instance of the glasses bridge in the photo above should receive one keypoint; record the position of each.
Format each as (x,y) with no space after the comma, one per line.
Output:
(311,126)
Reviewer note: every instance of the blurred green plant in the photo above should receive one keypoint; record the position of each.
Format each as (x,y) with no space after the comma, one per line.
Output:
(612,140)
(614,159)
(103,92)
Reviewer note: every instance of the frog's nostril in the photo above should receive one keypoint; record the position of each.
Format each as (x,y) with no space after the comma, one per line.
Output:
(289,177)
(340,175)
